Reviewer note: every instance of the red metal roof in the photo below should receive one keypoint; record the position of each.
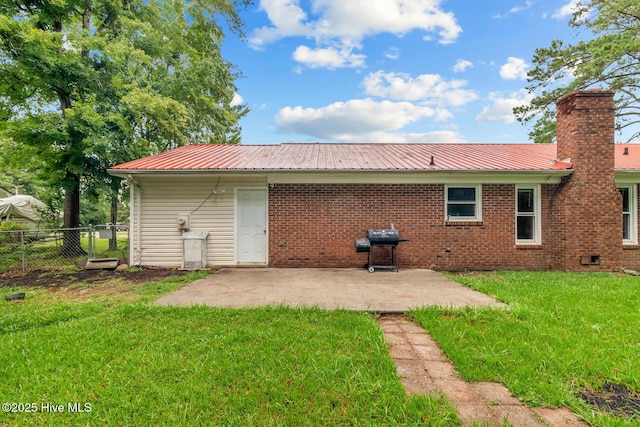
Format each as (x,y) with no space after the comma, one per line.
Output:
(629,161)
(364,157)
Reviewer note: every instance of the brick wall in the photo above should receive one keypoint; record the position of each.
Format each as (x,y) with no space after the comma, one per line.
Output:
(586,210)
(316,225)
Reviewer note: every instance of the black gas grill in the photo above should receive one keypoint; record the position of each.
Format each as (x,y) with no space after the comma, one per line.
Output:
(380,238)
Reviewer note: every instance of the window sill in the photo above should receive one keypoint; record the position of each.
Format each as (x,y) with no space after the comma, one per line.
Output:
(630,247)
(464,223)
(528,246)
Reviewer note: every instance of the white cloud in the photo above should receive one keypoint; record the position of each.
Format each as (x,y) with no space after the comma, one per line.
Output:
(353,119)
(442,136)
(347,22)
(516,9)
(567,10)
(358,18)
(430,89)
(287,18)
(515,68)
(330,57)
(519,8)
(392,53)
(237,100)
(501,107)
(462,65)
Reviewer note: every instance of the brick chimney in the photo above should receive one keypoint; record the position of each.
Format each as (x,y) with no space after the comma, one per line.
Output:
(586,221)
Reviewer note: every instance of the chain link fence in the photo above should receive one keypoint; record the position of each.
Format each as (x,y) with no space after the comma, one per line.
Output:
(61,248)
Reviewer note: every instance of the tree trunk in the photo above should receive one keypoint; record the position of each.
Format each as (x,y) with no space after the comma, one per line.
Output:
(71,237)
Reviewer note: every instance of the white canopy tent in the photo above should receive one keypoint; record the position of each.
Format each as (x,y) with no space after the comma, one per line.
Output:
(5,193)
(21,209)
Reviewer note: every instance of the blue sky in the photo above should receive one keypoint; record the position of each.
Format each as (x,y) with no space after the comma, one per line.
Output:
(390,70)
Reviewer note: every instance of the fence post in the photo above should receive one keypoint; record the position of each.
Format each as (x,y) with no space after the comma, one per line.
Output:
(90,242)
(22,250)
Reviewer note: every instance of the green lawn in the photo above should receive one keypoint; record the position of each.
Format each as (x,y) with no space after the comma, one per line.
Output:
(133,363)
(137,364)
(562,333)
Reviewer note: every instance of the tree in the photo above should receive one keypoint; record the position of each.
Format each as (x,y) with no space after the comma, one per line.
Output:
(610,60)
(90,83)
(15,177)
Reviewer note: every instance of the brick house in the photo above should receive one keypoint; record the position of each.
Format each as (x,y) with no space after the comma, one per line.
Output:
(572,205)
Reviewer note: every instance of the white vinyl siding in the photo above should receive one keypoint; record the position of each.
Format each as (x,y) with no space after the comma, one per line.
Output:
(163,198)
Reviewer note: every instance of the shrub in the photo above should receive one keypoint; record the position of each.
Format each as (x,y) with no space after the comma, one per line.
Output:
(10,237)
(10,226)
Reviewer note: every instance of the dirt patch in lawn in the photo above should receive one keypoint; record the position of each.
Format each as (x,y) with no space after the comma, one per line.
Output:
(61,279)
(615,399)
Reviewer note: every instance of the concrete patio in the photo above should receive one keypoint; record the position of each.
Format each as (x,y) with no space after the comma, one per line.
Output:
(349,289)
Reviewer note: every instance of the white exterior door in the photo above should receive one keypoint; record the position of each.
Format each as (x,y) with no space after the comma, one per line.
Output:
(252,225)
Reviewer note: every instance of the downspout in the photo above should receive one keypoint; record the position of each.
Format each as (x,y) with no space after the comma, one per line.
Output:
(135,252)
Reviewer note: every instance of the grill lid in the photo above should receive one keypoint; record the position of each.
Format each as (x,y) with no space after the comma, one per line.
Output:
(388,235)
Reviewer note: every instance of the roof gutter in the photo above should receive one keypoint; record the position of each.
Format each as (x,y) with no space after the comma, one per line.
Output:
(127,173)
(371,176)
(627,176)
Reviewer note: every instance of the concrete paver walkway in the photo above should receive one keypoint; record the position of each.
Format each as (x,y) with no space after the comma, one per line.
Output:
(349,289)
(424,369)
